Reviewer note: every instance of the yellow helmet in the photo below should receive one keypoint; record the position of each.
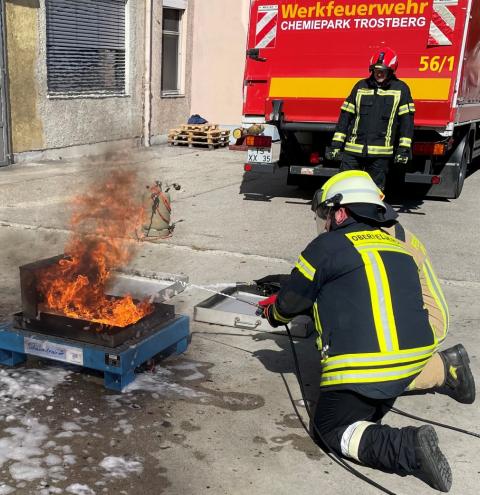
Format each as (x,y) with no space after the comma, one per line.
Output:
(354,188)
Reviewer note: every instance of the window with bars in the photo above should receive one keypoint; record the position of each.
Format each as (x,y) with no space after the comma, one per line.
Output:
(85,46)
(171,51)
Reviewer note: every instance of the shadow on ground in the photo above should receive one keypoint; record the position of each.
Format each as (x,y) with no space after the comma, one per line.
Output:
(406,199)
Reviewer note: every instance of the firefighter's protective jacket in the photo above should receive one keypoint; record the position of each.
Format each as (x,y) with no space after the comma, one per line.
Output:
(374,121)
(364,290)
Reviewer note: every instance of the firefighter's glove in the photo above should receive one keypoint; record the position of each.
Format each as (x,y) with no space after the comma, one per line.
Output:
(403,155)
(333,153)
(266,310)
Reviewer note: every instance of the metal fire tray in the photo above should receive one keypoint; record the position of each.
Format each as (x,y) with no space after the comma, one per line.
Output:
(159,287)
(95,333)
(221,310)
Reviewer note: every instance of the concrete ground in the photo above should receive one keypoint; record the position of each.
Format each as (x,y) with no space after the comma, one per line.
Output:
(218,419)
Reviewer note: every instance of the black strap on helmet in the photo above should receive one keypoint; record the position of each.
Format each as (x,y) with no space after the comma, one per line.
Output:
(329,203)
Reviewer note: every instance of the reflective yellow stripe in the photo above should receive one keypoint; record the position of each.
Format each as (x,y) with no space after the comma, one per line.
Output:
(316,317)
(339,136)
(389,92)
(380,150)
(438,288)
(422,88)
(378,359)
(381,301)
(371,376)
(354,145)
(305,268)
(396,102)
(392,326)
(411,107)
(358,101)
(348,107)
(405,142)
(279,317)
(374,301)
(354,148)
(437,294)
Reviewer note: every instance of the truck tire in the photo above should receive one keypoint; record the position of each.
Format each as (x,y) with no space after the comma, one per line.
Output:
(462,172)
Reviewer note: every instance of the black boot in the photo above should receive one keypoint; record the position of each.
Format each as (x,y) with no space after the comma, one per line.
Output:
(433,465)
(459,381)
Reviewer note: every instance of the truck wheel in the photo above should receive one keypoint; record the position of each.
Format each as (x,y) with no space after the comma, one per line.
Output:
(462,172)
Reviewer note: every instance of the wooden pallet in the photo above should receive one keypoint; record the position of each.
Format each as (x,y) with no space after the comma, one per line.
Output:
(198,136)
(199,127)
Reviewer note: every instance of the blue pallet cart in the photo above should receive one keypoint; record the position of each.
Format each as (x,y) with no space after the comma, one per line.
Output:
(117,363)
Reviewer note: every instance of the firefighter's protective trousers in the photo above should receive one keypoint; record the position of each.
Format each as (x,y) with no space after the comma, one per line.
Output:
(377,167)
(350,425)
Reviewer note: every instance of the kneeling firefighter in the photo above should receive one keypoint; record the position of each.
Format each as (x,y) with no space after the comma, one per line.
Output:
(380,315)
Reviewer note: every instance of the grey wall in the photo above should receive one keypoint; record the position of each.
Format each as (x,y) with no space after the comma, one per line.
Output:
(57,123)
(83,120)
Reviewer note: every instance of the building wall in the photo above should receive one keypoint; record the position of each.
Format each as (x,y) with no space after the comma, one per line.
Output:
(219,43)
(40,122)
(214,49)
(170,111)
(22,52)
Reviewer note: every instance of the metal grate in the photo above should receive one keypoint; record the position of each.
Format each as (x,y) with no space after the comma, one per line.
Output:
(86,46)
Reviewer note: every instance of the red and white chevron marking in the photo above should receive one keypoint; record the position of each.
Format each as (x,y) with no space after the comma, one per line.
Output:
(266,29)
(442,25)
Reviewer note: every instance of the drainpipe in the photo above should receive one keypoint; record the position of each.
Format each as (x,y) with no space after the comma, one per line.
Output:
(147,106)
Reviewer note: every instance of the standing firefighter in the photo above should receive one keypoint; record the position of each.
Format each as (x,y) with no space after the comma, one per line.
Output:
(376,121)
(380,314)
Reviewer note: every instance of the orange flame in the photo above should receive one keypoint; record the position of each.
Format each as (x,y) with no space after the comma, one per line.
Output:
(101,220)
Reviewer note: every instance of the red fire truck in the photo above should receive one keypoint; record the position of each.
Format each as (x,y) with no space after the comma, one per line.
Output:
(304,57)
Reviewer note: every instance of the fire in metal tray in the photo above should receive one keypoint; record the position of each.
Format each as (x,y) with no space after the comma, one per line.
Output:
(101,221)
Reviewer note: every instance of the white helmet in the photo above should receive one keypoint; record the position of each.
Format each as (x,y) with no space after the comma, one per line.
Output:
(354,189)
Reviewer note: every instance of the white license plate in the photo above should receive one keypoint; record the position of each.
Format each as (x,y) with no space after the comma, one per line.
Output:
(259,155)
(307,171)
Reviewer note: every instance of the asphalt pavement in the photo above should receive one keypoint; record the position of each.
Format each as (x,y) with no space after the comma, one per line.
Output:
(217,419)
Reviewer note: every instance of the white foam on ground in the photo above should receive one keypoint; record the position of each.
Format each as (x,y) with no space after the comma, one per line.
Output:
(119,467)
(53,460)
(70,426)
(78,489)
(23,445)
(161,381)
(124,426)
(6,489)
(48,491)
(28,470)
(18,388)
(71,429)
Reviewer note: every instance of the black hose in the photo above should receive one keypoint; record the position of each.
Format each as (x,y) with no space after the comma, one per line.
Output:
(436,423)
(333,455)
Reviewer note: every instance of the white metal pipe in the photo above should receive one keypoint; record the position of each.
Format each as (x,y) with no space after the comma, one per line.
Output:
(147,106)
